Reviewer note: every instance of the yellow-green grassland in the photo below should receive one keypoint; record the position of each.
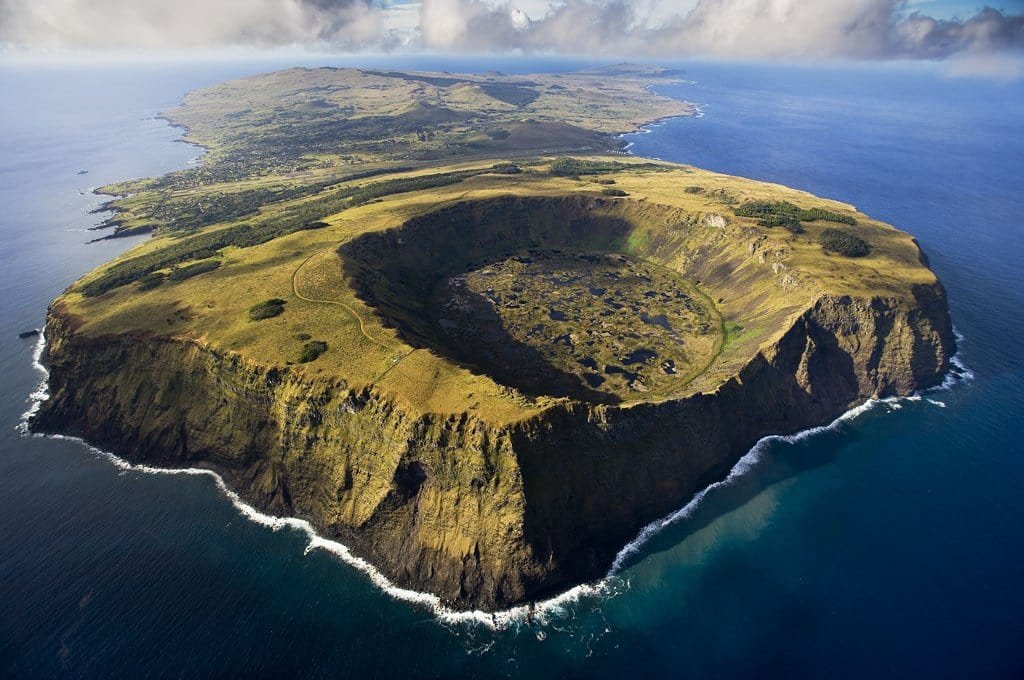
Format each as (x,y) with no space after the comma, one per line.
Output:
(446,320)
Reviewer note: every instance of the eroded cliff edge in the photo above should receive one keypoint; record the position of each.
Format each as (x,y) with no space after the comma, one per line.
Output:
(446,478)
(485,516)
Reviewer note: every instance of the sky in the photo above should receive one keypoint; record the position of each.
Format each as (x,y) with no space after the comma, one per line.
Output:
(801,30)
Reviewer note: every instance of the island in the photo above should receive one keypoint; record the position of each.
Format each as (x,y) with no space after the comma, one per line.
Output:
(445,319)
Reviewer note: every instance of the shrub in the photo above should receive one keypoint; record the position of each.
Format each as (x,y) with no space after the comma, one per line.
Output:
(190,270)
(151,281)
(506,169)
(604,181)
(267,309)
(785,221)
(694,190)
(723,196)
(311,351)
(843,243)
(614,192)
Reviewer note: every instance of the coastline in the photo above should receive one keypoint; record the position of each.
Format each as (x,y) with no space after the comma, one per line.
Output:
(543,612)
(696,111)
(648,128)
(110,206)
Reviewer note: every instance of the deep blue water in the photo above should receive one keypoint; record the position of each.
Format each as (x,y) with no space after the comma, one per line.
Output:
(889,546)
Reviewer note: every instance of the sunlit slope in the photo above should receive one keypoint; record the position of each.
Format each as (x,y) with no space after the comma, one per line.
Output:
(677,217)
(291,133)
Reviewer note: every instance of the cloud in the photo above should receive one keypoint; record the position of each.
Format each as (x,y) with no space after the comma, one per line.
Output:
(187,24)
(857,29)
(469,25)
(994,66)
(987,31)
(806,29)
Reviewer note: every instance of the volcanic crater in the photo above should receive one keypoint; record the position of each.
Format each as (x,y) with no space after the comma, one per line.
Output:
(541,296)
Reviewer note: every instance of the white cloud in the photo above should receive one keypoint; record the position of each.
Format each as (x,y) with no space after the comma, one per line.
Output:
(806,29)
(188,24)
(724,28)
(1006,67)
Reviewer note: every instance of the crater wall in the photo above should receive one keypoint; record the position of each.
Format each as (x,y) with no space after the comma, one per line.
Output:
(489,515)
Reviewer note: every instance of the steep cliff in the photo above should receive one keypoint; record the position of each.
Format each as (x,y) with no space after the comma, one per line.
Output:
(445,478)
(484,516)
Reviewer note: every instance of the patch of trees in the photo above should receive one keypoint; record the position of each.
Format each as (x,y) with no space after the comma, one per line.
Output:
(843,243)
(306,215)
(194,269)
(438,81)
(788,216)
(267,309)
(406,184)
(311,351)
(574,167)
(144,268)
(151,281)
(506,169)
(191,213)
(285,141)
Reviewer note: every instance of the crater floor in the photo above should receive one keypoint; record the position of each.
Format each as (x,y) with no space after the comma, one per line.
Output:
(601,327)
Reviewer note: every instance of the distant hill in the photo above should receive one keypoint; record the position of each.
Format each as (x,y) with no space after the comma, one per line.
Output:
(634,70)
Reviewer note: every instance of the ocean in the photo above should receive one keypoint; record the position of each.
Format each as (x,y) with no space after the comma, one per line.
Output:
(886,545)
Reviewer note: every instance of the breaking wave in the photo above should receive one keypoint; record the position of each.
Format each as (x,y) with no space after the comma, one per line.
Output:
(958,373)
(538,613)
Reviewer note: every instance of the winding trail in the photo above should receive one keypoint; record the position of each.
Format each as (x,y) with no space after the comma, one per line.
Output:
(348,308)
(351,310)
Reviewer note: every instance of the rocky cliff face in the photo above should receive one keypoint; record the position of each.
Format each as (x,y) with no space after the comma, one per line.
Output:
(484,516)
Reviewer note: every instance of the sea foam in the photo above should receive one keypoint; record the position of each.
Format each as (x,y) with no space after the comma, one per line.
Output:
(539,613)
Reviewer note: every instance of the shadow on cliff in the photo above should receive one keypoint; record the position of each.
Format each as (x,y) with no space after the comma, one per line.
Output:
(395,271)
(491,350)
(644,463)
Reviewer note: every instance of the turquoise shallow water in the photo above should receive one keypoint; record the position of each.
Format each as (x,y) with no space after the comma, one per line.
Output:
(889,545)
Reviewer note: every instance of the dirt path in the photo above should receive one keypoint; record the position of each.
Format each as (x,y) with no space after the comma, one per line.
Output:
(348,308)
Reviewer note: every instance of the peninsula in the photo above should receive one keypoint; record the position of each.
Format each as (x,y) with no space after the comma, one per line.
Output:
(444,319)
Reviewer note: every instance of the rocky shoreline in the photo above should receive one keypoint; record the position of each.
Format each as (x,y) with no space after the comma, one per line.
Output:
(486,517)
